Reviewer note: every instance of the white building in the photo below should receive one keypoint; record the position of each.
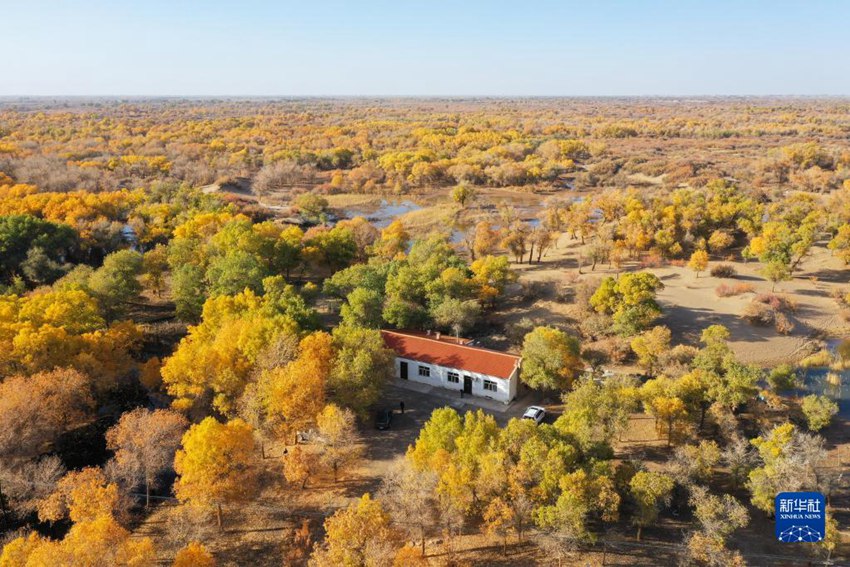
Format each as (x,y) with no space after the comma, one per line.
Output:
(451,363)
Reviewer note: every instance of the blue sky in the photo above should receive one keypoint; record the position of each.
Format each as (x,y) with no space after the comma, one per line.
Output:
(463,47)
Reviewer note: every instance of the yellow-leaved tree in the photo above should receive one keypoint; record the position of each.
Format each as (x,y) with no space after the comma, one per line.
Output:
(82,496)
(216,464)
(99,541)
(95,538)
(295,393)
(358,535)
(699,261)
(194,555)
(213,363)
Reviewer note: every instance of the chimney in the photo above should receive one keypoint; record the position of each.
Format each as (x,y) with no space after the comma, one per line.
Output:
(437,334)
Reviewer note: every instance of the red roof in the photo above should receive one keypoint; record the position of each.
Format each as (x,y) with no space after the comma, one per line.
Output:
(419,347)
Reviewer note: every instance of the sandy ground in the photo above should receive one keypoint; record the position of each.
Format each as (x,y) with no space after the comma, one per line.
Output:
(690,303)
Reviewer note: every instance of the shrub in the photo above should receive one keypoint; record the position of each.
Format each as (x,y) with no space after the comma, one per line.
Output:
(584,290)
(820,358)
(759,314)
(776,302)
(783,324)
(818,411)
(726,290)
(843,350)
(770,309)
(516,332)
(532,291)
(782,378)
(617,349)
(596,325)
(677,361)
(652,260)
(723,271)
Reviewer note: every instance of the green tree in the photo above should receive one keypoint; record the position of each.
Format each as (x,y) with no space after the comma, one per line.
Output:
(630,300)
(819,411)
(362,368)
(313,207)
(234,272)
(187,289)
(22,235)
(776,271)
(782,378)
(597,412)
(363,308)
(650,491)
(788,462)
(39,268)
(456,314)
(463,194)
(650,346)
(117,281)
(436,440)
(550,359)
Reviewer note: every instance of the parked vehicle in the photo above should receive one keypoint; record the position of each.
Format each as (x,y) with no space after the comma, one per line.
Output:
(535,413)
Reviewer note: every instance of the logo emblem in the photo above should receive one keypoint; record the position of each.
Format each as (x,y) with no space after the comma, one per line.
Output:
(800,517)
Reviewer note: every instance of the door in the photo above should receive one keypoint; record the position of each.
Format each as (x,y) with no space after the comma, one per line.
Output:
(467,384)
(403,370)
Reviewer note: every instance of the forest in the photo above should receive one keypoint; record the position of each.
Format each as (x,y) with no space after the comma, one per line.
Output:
(192,293)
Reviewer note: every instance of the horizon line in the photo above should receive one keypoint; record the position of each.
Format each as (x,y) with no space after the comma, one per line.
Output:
(421,96)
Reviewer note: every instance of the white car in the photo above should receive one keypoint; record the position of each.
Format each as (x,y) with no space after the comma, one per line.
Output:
(535,413)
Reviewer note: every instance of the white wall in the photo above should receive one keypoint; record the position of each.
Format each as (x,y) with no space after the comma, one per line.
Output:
(505,389)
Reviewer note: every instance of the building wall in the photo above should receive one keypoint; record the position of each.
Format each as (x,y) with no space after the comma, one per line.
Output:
(505,389)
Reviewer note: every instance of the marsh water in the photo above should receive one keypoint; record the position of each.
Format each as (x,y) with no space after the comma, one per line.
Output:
(834,384)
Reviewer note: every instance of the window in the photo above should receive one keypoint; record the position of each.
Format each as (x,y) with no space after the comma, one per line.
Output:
(424,371)
(454,377)
(490,385)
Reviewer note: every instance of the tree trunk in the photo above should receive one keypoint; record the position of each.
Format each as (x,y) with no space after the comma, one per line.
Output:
(423,545)
(531,253)
(147,492)
(638,532)
(3,506)
(218,518)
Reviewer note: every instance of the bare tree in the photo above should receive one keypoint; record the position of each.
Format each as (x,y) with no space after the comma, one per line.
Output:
(740,457)
(281,175)
(34,410)
(409,496)
(145,442)
(24,484)
(340,442)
